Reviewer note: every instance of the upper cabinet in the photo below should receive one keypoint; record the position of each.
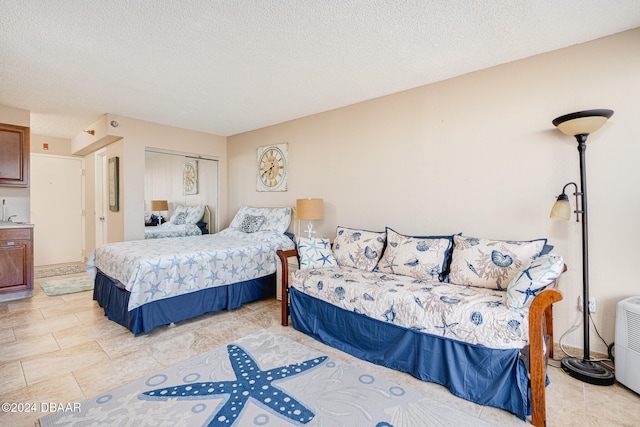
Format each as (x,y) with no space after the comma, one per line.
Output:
(14,155)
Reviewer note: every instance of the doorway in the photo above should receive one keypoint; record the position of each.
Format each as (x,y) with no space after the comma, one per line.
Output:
(56,209)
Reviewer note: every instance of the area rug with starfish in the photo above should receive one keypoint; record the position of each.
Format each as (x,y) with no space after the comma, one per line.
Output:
(262,379)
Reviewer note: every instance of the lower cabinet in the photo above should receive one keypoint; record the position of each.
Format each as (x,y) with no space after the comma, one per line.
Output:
(16,263)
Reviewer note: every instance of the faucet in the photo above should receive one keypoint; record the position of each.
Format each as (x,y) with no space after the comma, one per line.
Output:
(10,219)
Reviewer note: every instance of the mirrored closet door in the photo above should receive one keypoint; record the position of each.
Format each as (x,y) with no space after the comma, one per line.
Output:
(181,194)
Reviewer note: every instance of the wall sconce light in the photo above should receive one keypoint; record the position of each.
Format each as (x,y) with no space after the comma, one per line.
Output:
(309,209)
(580,125)
(90,131)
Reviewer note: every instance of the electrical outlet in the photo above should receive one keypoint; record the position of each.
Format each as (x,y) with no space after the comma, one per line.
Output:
(592,304)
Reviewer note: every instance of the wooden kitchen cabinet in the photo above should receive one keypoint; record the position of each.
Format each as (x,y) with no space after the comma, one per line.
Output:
(16,262)
(14,155)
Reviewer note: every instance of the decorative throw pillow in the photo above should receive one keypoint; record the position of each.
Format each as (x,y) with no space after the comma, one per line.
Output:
(179,218)
(490,263)
(276,219)
(194,214)
(315,253)
(533,279)
(358,248)
(251,223)
(419,257)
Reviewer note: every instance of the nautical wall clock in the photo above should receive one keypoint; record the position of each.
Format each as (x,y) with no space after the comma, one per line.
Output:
(190,177)
(272,168)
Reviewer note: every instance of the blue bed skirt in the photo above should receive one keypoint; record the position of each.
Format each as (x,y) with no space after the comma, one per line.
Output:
(486,376)
(115,301)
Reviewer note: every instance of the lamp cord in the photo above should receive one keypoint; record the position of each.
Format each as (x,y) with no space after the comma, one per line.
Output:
(575,326)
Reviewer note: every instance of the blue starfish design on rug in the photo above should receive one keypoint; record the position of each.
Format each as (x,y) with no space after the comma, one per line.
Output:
(251,382)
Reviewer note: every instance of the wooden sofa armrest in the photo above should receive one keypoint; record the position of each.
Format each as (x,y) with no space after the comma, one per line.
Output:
(284,262)
(540,323)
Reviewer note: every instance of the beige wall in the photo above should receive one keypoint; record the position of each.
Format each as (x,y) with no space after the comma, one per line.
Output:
(57,146)
(478,154)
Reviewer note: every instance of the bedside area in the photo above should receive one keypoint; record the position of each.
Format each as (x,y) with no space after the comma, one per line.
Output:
(16,261)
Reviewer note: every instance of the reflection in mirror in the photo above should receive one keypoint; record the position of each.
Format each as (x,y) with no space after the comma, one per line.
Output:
(189,185)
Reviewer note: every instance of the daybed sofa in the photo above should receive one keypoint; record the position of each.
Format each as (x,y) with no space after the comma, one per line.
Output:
(474,315)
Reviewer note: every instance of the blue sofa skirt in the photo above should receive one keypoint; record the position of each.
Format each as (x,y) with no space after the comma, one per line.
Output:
(486,376)
(115,302)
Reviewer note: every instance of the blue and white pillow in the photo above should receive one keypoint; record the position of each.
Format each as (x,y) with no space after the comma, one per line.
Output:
(418,257)
(359,249)
(187,214)
(488,263)
(275,219)
(194,214)
(179,217)
(533,280)
(315,253)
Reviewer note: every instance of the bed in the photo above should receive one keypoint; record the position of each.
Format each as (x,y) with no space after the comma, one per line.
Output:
(143,284)
(185,221)
(441,321)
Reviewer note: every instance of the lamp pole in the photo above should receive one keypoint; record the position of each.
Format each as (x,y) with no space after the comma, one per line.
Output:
(582,147)
(580,125)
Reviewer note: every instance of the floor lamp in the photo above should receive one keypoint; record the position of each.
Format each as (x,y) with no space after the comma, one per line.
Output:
(580,125)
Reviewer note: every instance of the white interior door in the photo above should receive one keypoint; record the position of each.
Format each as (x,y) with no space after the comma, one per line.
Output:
(56,209)
(101,197)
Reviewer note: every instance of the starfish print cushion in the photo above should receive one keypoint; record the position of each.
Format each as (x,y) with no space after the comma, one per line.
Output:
(533,280)
(315,253)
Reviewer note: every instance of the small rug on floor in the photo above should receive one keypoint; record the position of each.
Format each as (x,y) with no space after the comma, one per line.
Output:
(57,270)
(262,379)
(68,285)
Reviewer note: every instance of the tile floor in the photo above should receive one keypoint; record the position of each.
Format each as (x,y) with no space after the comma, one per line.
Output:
(63,350)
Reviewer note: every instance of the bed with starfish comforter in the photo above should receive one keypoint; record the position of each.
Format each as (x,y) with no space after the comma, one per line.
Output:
(142,284)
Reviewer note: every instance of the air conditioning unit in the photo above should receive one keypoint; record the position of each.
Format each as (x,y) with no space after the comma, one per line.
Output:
(627,348)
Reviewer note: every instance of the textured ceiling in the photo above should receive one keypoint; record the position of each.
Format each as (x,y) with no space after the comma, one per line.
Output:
(226,67)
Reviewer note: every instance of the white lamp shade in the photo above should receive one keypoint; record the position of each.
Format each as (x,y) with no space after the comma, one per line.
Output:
(561,210)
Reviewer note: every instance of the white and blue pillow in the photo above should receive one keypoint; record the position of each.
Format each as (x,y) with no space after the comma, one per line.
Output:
(315,253)
(418,257)
(488,263)
(359,249)
(275,219)
(187,214)
(534,279)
